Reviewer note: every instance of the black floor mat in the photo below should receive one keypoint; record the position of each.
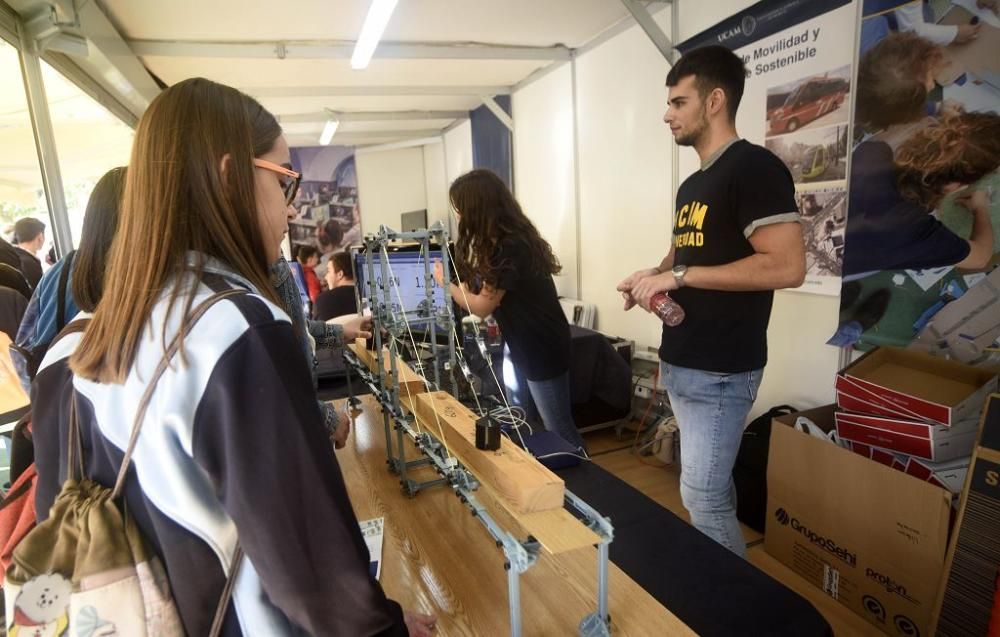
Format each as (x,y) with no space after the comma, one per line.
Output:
(704,585)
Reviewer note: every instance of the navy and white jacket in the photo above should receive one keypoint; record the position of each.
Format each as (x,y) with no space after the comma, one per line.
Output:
(232,446)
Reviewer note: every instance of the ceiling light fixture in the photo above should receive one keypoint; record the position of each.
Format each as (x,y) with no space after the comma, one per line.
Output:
(371,32)
(329,131)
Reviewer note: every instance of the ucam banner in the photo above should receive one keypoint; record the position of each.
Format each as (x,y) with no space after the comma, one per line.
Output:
(796,102)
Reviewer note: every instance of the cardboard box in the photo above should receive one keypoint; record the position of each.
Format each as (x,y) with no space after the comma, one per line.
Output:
(914,385)
(871,537)
(967,602)
(913,438)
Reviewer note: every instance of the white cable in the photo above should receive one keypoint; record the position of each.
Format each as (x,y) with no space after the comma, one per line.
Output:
(427,383)
(564,453)
(406,322)
(489,359)
(459,349)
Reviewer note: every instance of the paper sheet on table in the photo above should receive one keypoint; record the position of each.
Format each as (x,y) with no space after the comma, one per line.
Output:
(927,278)
(373,532)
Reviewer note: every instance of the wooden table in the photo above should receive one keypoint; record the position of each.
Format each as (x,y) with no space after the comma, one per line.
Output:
(437,558)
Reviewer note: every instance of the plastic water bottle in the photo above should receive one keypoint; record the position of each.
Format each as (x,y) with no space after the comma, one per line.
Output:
(667,309)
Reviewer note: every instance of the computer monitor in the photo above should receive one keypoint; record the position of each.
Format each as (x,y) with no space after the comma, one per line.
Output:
(408,271)
(415,220)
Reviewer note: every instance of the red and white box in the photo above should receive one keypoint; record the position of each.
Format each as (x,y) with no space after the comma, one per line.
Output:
(909,437)
(882,456)
(860,449)
(899,463)
(948,475)
(914,385)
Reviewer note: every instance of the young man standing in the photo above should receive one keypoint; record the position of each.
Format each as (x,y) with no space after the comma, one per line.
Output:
(340,299)
(736,238)
(29,237)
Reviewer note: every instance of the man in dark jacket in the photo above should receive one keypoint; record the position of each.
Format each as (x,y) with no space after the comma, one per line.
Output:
(9,256)
(29,237)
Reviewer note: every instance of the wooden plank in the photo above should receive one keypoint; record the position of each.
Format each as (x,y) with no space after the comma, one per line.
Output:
(519,481)
(439,559)
(413,383)
(556,529)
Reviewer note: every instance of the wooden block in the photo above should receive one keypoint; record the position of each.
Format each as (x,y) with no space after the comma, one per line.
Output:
(557,530)
(413,383)
(519,481)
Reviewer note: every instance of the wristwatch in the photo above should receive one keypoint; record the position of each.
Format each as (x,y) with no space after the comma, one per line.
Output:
(679,271)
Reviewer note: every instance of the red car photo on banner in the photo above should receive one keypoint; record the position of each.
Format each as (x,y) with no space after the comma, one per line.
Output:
(813,99)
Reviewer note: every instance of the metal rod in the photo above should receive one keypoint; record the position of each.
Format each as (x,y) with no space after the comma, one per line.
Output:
(45,141)
(602,581)
(377,333)
(514,599)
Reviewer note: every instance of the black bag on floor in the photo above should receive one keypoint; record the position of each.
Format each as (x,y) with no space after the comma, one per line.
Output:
(750,469)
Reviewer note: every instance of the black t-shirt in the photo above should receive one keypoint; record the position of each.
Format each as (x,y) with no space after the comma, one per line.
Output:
(885,231)
(336,302)
(718,208)
(529,315)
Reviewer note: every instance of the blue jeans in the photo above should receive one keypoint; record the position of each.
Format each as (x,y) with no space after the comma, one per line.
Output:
(711,411)
(552,399)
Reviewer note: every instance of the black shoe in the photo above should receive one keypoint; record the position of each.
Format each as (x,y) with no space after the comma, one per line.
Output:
(849,293)
(873,308)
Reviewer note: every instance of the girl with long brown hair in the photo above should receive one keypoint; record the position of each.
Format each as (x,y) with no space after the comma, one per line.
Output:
(506,269)
(232,448)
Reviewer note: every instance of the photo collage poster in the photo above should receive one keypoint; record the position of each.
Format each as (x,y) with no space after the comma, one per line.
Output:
(328,215)
(796,102)
(924,153)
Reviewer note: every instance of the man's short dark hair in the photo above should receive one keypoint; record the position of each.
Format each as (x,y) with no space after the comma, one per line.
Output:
(341,262)
(27,229)
(712,67)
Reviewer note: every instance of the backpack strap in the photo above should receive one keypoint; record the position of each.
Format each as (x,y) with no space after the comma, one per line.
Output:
(147,396)
(227,591)
(61,301)
(76,450)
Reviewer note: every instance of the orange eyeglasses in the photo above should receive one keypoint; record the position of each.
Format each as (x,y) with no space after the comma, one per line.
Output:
(289,179)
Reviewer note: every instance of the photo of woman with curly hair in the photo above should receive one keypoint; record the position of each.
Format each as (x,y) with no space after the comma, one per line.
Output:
(922,221)
(890,225)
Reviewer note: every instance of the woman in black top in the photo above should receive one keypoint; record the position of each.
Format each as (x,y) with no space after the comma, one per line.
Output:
(505,269)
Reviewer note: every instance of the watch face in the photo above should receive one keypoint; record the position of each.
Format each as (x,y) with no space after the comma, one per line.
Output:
(679,271)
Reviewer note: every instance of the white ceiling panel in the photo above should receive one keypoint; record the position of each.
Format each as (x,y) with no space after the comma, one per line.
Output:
(388,103)
(521,22)
(348,140)
(174,25)
(310,128)
(278,73)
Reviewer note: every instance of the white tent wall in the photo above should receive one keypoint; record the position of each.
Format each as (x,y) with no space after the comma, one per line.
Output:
(435,183)
(624,172)
(458,151)
(624,169)
(544,179)
(390,183)
(625,197)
